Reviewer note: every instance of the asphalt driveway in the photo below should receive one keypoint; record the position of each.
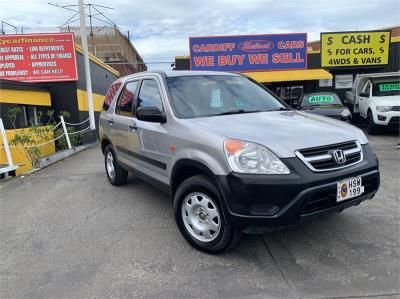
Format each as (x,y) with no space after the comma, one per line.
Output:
(65,232)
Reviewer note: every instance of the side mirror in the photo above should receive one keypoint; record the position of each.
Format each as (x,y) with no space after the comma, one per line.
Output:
(151,114)
(364,94)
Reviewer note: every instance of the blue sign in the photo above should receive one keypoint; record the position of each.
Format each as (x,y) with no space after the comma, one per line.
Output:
(249,52)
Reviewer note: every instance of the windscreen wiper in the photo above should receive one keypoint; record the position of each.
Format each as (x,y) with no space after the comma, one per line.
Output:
(237,111)
(281,109)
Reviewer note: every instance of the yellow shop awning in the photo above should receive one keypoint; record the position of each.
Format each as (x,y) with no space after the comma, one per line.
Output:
(294,75)
(27,97)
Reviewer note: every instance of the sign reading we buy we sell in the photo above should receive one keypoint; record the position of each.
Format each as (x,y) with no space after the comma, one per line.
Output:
(249,52)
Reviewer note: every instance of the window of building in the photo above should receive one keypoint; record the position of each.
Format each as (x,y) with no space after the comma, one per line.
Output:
(290,94)
(26,116)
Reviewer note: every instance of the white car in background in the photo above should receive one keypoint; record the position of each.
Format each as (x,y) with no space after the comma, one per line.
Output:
(377,98)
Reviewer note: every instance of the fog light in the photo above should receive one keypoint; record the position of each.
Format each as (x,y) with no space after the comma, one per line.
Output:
(381,117)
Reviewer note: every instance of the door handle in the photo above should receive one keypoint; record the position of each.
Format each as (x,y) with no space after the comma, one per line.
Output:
(133,126)
(110,121)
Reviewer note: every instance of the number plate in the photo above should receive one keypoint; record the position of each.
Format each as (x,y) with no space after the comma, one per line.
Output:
(349,188)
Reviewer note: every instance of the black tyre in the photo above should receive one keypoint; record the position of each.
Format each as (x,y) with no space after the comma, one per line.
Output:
(372,128)
(115,173)
(199,216)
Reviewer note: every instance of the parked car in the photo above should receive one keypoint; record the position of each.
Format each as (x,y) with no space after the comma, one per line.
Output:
(233,156)
(326,104)
(376,97)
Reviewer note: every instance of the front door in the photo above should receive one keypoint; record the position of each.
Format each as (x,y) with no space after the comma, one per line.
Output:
(148,141)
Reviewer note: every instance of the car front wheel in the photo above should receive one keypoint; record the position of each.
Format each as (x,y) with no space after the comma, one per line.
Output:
(372,128)
(199,216)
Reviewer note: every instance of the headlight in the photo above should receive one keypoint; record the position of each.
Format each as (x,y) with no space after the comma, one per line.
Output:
(383,108)
(248,157)
(346,113)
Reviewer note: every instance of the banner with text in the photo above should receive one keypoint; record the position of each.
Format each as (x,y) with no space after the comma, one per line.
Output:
(249,52)
(38,57)
(361,48)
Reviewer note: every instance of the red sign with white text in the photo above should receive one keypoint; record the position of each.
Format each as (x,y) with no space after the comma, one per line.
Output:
(44,57)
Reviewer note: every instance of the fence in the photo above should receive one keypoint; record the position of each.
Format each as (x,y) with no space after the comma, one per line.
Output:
(11,167)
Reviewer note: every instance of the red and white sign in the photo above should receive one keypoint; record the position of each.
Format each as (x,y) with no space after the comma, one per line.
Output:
(44,57)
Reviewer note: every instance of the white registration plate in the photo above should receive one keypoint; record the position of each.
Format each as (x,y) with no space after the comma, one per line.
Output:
(349,188)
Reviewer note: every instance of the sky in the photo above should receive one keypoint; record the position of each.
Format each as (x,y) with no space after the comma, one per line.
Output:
(160,29)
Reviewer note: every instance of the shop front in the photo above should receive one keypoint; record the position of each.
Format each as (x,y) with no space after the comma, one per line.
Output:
(290,70)
(42,74)
(291,85)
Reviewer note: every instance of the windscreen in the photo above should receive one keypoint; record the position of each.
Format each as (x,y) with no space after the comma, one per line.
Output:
(386,89)
(202,96)
(320,100)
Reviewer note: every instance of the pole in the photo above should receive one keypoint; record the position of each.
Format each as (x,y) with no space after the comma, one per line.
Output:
(65,131)
(87,65)
(5,143)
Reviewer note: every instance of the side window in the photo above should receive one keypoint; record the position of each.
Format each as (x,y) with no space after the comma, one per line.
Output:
(368,87)
(126,99)
(110,95)
(149,94)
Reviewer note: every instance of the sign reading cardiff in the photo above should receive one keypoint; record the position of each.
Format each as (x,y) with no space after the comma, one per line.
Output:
(249,52)
(361,48)
(38,57)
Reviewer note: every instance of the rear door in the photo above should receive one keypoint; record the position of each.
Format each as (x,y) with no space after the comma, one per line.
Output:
(148,141)
(122,118)
(107,113)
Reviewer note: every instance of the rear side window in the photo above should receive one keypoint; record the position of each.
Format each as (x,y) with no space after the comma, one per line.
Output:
(110,95)
(126,99)
(150,95)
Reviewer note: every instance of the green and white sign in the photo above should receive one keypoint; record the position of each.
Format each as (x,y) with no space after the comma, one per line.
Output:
(320,99)
(389,87)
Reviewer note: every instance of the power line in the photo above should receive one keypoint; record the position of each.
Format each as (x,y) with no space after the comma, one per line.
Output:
(8,24)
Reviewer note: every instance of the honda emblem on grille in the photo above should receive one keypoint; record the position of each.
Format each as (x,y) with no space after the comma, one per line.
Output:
(339,157)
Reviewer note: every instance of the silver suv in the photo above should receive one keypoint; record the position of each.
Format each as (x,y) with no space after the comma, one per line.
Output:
(233,156)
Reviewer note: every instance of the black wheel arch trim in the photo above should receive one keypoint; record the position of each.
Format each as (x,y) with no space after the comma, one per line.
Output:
(105,138)
(196,164)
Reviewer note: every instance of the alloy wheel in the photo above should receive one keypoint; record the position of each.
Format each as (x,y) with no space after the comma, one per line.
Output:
(110,165)
(201,217)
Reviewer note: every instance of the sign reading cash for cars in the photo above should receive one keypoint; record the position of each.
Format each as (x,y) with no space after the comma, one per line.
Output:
(362,48)
(38,57)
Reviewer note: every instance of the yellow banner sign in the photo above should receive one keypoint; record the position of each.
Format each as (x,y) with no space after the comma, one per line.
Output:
(362,48)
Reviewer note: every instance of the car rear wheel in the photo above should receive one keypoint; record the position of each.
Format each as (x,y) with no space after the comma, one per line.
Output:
(199,216)
(115,173)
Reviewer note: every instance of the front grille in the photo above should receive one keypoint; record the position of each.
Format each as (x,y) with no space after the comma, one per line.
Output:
(395,108)
(335,116)
(322,158)
(327,198)
(395,120)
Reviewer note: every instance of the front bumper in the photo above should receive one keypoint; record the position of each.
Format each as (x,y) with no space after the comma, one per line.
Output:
(391,118)
(258,203)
